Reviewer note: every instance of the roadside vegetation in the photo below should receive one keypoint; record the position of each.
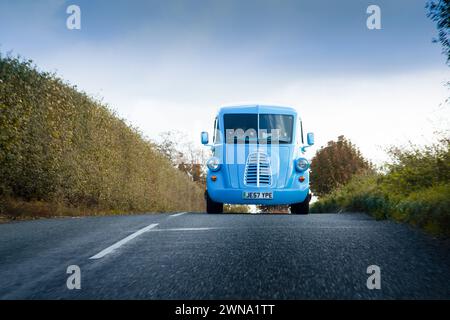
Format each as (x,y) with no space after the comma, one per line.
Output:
(64,153)
(334,166)
(414,187)
(184,156)
(236,208)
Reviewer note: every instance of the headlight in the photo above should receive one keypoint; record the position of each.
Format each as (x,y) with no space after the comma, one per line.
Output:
(213,164)
(301,164)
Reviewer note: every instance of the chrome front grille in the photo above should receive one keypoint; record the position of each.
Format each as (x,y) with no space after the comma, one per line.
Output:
(257,170)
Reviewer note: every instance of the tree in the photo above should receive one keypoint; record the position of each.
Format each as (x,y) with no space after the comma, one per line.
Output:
(273,209)
(439,12)
(169,146)
(183,155)
(335,164)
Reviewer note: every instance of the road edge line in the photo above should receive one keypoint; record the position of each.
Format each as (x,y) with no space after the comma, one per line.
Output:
(120,243)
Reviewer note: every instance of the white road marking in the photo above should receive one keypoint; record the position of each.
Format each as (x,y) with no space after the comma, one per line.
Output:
(177,214)
(110,249)
(184,229)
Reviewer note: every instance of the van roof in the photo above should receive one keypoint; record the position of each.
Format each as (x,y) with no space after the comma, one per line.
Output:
(257,109)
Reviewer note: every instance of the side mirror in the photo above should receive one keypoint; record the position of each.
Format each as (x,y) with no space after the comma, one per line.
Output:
(205,137)
(310,138)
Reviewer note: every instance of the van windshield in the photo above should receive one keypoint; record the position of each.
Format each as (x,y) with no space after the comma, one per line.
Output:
(273,128)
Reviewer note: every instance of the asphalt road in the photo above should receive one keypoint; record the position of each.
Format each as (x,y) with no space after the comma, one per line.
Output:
(200,256)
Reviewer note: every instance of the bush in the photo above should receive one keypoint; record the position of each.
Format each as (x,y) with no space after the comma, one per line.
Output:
(361,194)
(230,208)
(415,189)
(428,208)
(335,165)
(58,145)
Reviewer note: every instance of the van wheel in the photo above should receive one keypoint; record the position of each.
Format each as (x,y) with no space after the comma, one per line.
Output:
(212,206)
(301,208)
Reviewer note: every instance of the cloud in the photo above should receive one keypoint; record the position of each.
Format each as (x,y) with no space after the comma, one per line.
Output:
(373,111)
(165,65)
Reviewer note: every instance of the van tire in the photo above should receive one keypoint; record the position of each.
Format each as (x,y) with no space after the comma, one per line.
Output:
(301,207)
(212,206)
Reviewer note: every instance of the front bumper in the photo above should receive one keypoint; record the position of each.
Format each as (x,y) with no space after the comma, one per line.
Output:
(280,196)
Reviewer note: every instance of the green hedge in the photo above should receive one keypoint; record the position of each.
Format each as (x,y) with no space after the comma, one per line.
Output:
(58,145)
(414,189)
(428,208)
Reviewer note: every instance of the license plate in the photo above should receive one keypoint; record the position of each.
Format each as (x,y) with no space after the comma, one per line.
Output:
(258,195)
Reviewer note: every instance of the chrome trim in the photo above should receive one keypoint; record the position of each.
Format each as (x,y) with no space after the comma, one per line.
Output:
(258,171)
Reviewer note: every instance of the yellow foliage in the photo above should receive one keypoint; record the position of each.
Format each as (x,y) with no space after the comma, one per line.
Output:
(58,145)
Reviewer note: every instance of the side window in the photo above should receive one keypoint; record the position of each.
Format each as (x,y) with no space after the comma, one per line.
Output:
(216,136)
(300,132)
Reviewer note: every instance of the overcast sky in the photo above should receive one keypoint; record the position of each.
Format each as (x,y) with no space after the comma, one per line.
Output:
(166,65)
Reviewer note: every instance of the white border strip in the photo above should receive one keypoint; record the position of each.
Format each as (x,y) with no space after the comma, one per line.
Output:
(110,249)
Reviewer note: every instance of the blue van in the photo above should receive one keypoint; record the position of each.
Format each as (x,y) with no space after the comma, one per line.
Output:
(258,158)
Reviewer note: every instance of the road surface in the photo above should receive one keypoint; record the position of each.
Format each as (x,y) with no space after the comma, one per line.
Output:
(200,256)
